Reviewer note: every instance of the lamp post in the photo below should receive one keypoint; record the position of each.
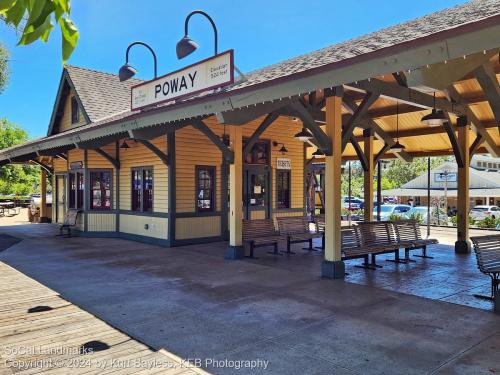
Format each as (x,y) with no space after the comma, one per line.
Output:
(127,71)
(186,45)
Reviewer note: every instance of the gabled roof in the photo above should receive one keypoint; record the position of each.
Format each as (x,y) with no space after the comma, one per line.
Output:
(99,94)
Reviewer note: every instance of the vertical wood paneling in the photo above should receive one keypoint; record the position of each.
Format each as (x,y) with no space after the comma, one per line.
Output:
(197,227)
(66,117)
(100,222)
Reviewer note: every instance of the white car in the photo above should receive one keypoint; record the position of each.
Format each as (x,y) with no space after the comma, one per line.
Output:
(386,210)
(481,212)
(436,219)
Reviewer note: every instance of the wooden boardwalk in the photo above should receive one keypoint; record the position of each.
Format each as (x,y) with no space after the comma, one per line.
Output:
(40,332)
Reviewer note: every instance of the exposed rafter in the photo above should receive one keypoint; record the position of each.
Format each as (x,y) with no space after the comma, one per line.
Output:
(202,127)
(488,80)
(112,160)
(268,120)
(400,79)
(48,169)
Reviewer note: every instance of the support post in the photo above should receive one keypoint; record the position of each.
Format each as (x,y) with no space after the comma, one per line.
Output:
(43,196)
(333,267)
(462,245)
(235,250)
(368,175)
(379,188)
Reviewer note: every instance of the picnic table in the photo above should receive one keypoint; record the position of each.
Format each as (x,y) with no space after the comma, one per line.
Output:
(6,206)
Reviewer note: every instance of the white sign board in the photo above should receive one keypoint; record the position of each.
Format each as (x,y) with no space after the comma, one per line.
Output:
(283,163)
(205,75)
(443,177)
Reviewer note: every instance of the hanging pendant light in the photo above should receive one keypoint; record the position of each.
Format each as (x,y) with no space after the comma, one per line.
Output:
(304,135)
(124,144)
(397,147)
(318,154)
(435,118)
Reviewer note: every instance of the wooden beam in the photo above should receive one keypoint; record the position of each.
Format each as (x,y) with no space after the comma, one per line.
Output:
(321,138)
(475,145)
(406,95)
(45,167)
(488,80)
(104,154)
(479,127)
(361,156)
(358,113)
(457,151)
(268,120)
(155,150)
(368,175)
(462,245)
(227,153)
(400,79)
(381,153)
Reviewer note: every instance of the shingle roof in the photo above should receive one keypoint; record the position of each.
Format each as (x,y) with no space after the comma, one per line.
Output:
(102,94)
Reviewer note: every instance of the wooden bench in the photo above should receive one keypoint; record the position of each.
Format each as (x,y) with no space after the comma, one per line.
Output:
(487,250)
(69,221)
(408,231)
(379,237)
(260,233)
(296,230)
(352,246)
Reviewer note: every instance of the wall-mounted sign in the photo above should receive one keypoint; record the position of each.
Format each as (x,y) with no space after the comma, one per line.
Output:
(283,163)
(442,176)
(215,72)
(76,165)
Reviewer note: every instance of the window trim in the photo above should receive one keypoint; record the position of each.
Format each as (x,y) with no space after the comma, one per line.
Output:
(289,189)
(141,205)
(213,168)
(75,115)
(75,172)
(111,187)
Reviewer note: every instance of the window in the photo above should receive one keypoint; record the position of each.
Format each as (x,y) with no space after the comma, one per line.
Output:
(283,189)
(205,189)
(142,189)
(75,112)
(100,190)
(76,189)
(259,154)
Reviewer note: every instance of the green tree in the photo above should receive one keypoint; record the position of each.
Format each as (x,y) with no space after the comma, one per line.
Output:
(34,20)
(400,172)
(4,67)
(16,179)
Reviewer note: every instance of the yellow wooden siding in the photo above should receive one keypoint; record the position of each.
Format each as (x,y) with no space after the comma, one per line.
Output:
(135,224)
(197,227)
(194,148)
(76,155)
(59,165)
(256,215)
(66,117)
(139,156)
(97,161)
(99,222)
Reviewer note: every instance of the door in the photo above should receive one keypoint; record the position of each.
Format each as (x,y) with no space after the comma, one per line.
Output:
(256,192)
(60,201)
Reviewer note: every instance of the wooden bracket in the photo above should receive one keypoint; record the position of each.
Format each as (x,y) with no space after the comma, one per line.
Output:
(270,118)
(104,154)
(381,153)
(475,145)
(227,153)
(361,155)
(48,169)
(457,151)
(487,79)
(163,157)
(358,113)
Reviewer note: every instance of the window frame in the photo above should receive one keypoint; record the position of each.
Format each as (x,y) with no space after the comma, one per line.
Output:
(213,199)
(75,173)
(141,170)
(91,190)
(75,110)
(289,172)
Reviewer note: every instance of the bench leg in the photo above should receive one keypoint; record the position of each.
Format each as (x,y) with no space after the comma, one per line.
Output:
(310,248)
(251,250)
(366,264)
(424,253)
(288,246)
(494,288)
(275,252)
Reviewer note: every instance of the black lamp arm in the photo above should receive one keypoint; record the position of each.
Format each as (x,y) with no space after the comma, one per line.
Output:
(211,21)
(149,48)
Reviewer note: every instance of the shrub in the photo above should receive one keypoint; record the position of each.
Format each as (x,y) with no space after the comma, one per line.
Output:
(419,218)
(487,222)
(395,217)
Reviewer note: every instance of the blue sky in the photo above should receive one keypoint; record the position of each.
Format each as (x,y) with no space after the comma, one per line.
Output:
(261,32)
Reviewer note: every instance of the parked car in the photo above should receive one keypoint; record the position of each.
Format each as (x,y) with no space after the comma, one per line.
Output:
(355,203)
(387,210)
(438,217)
(481,212)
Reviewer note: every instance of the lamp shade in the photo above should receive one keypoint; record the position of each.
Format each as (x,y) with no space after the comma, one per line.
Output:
(126,71)
(435,118)
(185,47)
(304,135)
(318,154)
(397,147)
(283,150)
(124,145)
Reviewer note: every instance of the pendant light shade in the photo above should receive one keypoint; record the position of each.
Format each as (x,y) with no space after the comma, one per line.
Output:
(283,150)
(304,135)
(435,118)
(124,145)
(397,147)
(318,154)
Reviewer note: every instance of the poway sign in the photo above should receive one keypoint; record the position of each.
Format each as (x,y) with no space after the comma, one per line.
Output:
(215,72)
